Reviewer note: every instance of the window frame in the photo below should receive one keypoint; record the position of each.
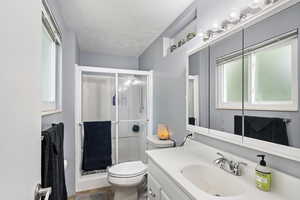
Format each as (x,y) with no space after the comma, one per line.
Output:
(51,28)
(196,100)
(251,103)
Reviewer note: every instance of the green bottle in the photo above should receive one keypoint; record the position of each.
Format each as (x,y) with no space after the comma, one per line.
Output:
(263,175)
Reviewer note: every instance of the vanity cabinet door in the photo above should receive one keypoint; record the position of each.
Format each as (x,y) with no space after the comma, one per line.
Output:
(153,189)
(164,196)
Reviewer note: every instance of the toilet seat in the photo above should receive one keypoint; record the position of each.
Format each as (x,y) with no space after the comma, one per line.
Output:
(127,174)
(127,169)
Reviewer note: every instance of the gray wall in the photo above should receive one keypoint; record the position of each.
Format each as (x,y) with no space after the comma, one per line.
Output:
(169,88)
(111,61)
(173,67)
(170,93)
(69,58)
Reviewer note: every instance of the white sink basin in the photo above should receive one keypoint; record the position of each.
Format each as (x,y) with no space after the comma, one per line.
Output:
(213,180)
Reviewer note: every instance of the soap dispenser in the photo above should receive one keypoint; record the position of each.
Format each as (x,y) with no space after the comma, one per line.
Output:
(263,175)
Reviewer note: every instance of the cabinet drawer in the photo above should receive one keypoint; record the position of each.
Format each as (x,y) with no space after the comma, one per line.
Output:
(167,185)
(153,188)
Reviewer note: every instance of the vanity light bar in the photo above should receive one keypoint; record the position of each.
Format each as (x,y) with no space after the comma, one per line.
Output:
(235,18)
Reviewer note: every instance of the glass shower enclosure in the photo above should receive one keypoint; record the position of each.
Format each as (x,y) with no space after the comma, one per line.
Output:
(123,97)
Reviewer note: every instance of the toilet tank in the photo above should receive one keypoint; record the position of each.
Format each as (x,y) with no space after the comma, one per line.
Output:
(153,142)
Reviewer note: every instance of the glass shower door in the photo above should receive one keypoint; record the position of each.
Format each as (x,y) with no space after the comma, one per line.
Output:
(99,102)
(132,116)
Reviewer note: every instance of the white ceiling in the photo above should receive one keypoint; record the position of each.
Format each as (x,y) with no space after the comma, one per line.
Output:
(119,27)
(128,27)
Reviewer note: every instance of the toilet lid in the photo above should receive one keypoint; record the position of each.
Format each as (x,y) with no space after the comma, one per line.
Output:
(128,169)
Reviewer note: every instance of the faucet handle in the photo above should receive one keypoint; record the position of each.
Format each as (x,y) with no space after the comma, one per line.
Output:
(236,165)
(236,168)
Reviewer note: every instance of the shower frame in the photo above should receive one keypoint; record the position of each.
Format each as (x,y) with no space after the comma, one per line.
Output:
(93,181)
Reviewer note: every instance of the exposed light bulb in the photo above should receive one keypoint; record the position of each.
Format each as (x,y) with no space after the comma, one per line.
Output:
(128,82)
(200,34)
(215,27)
(137,82)
(229,26)
(269,2)
(206,36)
(234,16)
(256,4)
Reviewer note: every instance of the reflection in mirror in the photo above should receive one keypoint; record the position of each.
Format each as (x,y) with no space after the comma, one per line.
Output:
(271,82)
(252,81)
(226,70)
(198,88)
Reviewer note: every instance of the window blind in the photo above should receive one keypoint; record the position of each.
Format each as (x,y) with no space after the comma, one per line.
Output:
(50,23)
(250,49)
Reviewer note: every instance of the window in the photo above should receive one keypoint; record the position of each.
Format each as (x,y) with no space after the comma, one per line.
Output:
(270,77)
(51,63)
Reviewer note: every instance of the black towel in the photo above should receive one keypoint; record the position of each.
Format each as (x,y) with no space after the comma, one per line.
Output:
(262,128)
(52,172)
(192,121)
(96,146)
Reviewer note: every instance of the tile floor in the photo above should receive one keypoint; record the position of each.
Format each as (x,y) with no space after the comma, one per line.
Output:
(104,194)
(98,194)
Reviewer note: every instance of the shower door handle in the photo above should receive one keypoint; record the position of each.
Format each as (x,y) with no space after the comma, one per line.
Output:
(42,192)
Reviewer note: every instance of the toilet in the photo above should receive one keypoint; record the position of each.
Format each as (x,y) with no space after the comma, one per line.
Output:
(125,179)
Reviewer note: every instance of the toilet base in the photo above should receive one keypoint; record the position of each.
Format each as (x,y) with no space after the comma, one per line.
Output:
(126,193)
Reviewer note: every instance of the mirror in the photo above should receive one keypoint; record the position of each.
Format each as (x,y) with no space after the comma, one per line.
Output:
(198,88)
(226,88)
(271,83)
(247,84)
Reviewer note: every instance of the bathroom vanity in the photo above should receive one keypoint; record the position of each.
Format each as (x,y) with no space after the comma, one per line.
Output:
(189,173)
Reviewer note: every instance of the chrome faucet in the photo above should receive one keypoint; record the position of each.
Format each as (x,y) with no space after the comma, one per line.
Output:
(221,161)
(233,167)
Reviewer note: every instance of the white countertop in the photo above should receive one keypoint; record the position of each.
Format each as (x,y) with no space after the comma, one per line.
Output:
(173,160)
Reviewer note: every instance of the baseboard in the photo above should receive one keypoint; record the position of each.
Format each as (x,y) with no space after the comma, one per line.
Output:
(73,197)
(90,182)
(95,190)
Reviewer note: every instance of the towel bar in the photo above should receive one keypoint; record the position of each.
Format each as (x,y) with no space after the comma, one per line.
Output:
(81,123)
(122,121)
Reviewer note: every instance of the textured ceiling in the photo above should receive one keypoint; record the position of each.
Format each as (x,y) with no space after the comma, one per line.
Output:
(119,27)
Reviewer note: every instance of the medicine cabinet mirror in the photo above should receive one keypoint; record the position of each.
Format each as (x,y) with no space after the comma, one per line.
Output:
(198,86)
(244,88)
